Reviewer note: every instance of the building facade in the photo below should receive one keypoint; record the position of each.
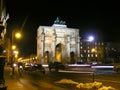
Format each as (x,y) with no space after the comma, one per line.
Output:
(57,43)
(92,52)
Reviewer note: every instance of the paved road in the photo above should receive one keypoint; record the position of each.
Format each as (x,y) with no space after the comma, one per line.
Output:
(36,81)
(27,82)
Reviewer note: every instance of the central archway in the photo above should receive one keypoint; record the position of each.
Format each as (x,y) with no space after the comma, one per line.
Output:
(58,53)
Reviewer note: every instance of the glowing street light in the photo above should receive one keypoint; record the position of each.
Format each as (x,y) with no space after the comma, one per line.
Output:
(18,35)
(15,52)
(90,38)
(13,47)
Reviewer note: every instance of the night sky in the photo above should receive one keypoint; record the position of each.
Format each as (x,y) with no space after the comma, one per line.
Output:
(100,19)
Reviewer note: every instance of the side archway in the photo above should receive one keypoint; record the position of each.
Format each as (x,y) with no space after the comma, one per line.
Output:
(72,57)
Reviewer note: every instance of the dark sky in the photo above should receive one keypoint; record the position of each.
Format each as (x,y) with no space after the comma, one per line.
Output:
(101,19)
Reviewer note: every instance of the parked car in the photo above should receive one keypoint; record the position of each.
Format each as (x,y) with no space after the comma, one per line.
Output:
(39,67)
(56,66)
(20,65)
(27,67)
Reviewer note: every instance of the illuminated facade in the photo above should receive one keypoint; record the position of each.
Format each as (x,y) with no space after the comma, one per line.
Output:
(57,43)
(92,52)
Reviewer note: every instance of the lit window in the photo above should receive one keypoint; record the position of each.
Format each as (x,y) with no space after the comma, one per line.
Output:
(81,55)
(95,43)
(85,51)
(88,55)
(91,55)
(88,51)
(96,55)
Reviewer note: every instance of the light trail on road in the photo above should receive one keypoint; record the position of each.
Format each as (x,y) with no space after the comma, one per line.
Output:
(86,72)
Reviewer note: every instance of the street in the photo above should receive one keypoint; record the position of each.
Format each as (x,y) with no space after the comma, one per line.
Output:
(28,81)
(39,81)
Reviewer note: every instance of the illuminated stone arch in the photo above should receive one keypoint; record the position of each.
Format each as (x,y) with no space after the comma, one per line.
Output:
(56,43)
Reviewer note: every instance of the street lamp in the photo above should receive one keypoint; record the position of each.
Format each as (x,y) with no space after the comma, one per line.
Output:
(15,35)
(13,47)
(18,35)
(90,38)
(15,52)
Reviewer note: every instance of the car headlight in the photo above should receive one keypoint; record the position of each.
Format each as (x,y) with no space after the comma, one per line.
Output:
(14,65)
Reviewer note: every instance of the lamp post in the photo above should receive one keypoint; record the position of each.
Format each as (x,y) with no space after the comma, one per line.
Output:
(15,35)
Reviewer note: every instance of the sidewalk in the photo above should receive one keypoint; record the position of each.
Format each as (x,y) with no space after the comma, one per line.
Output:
(15,82)
(26,83)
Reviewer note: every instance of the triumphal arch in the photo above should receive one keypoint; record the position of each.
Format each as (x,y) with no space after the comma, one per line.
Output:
(57,43)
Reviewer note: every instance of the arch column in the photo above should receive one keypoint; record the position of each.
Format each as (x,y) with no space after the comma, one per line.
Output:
(42,47)
(78,49)
(53,47)
(68,48)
